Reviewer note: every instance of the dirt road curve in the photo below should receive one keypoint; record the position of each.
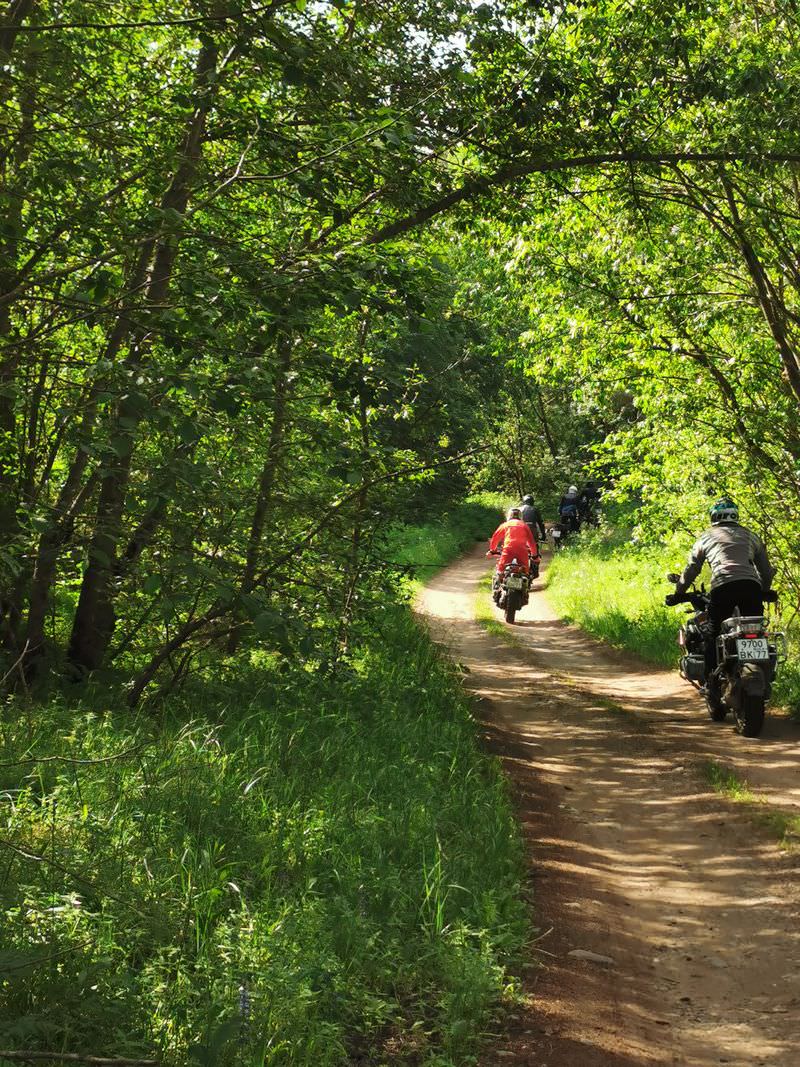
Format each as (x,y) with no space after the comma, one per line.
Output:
(631,857)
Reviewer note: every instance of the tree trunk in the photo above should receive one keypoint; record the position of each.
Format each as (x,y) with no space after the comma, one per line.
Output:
(19,145)
(269,471)
(94,620)
(74,491)
(355,564)
(551,445)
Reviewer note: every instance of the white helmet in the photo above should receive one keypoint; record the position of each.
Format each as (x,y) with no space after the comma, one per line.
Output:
(573,489)
(514,513)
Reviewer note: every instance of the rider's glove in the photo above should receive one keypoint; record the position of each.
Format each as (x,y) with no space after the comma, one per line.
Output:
(671,599)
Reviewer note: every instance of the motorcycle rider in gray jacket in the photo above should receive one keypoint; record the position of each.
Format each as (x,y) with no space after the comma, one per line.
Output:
(740,571)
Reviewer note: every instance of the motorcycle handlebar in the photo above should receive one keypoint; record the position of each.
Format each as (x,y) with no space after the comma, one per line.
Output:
(700,599)
(697,600)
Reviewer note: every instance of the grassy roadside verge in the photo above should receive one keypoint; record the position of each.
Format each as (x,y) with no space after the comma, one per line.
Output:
(615,591)
(285,869)
(782,825)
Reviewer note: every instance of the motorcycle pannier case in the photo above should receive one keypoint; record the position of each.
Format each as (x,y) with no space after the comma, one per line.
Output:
(693,669)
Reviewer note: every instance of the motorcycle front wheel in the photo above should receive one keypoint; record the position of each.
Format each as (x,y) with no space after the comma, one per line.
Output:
(750,715)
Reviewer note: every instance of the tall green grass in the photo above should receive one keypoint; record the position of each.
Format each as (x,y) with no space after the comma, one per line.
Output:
(614,588)
(284,869)
(424,548)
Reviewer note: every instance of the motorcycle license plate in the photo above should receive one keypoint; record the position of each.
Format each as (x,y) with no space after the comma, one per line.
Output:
(752,648)
(556,534)
(515,582)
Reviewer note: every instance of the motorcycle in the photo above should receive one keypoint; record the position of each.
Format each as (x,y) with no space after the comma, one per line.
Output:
(511,589)
(747,654)
(569,523)
(590,513)
(559,534)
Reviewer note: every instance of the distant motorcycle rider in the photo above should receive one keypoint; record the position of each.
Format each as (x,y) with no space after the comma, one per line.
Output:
(533,517)
(568,508)
(588,500)
(741,573)
(517,542)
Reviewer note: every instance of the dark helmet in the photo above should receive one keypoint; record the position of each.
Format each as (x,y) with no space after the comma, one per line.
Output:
(724,511)
(527,499)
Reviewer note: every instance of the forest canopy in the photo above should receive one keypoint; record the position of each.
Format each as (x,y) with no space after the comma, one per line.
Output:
(273,274)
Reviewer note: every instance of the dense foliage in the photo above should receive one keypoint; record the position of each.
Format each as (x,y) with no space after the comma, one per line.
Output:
(274,278)
(207,393)
(230,339)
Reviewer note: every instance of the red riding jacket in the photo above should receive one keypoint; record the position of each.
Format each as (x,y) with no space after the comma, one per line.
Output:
(515,534)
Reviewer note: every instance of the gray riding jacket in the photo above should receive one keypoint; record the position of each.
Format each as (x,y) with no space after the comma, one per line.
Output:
(733,553)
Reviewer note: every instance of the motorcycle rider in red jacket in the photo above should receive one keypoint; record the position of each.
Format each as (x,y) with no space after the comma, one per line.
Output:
(517,540)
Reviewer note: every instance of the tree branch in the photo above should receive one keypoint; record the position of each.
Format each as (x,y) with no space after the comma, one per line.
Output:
(29,1056)
(514,171)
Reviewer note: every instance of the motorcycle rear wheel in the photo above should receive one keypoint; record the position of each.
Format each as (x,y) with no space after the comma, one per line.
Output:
(750,715)
(512,606)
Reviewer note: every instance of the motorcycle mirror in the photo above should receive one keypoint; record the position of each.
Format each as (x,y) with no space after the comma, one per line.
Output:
(671,577)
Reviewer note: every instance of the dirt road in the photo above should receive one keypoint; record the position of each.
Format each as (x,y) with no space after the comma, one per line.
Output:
(695,910)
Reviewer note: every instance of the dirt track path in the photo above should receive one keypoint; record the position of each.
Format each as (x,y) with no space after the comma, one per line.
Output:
(630,856)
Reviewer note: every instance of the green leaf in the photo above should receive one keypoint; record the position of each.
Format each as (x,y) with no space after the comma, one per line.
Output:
(152,583)
(268,622)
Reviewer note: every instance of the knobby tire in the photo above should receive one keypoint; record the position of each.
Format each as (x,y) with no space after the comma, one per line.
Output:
(750,715)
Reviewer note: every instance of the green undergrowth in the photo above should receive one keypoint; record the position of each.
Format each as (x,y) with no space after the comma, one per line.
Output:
(425,548)
(782,825)
(284,869)
(614,588)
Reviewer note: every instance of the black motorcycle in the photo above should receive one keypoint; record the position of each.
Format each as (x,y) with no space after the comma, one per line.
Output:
(561,531)
(589,513)
(746,655)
